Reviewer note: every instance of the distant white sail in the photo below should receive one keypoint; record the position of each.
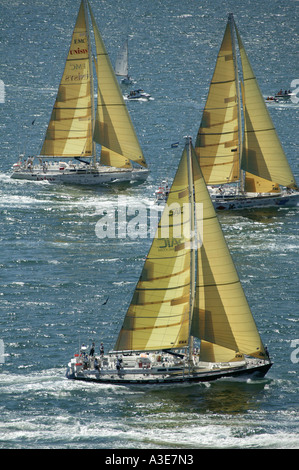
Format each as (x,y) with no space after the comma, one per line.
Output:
(121,66)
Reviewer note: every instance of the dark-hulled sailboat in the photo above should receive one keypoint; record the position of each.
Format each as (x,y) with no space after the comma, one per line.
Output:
(189,320)
(241,171)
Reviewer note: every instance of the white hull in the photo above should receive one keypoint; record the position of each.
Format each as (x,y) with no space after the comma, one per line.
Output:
(137,94)
(98,176)
(127,81)
(284,96)
(137,370)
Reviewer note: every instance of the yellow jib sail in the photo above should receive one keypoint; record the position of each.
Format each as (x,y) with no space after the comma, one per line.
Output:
(113,127)
(210,352)
(221,313)
(262,154)
(69,132)
(256,184)
(217,139)
(158,316)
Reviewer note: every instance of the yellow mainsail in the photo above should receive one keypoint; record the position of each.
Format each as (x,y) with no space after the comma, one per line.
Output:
(113,127)
(69,132)
(222,316)
(217,144)
(166,308)
(263,154)
(158,316)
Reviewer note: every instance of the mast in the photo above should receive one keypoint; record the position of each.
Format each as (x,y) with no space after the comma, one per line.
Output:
(127,46)
(192,246)
(91,82)
(231,24)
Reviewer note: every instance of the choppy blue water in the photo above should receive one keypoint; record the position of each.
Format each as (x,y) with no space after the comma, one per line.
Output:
(56,273)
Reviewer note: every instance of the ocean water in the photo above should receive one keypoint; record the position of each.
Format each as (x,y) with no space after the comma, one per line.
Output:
(56,273)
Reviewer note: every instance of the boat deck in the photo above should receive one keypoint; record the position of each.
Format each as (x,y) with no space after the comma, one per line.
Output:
(77,174)
(151,372)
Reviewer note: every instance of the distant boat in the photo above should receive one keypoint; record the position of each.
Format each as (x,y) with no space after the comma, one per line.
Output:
(284,95)
(137,94)
(77,122)
(121,66)
(249,174)
(161,194)
(189,320)
(271,99)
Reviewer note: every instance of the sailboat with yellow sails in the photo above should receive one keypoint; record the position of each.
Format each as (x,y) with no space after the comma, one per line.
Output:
(241,171)
(188,320)
(78,123)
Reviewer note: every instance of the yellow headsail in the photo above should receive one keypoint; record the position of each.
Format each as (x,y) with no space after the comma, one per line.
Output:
(263,154)
(221,314)
(217,139)
(256,184)
(69,132)
(210,352)
(158,317)
(113,127)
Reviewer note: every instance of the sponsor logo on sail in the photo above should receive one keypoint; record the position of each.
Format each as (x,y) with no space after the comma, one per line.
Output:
(76,78)
(78,51)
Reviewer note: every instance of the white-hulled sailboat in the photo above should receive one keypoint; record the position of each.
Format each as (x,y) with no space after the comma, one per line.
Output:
(77,123)
(189,320)
(241,171)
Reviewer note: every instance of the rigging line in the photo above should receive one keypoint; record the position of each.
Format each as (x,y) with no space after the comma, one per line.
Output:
(216,133)
(160,288)
(225,81)
(110,104)
(218,284)
(260,130)
(166,257)
(159,326)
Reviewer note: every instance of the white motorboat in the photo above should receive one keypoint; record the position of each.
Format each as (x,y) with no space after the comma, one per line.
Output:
(137,94)
(284,95)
